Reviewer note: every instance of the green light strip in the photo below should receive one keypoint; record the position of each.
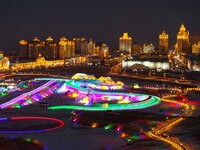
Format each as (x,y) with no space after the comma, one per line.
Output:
(103,107)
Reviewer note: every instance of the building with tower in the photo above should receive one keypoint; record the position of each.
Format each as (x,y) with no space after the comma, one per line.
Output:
(125,43)
(183,44)
(163,42)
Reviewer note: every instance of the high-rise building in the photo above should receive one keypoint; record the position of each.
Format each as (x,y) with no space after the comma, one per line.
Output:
(104,52)
(163,42)
(91,47)
(81,45)
(125,43)
(84,46)
(70,48)
(51,49)
(66,48)
(62,47)
(183,44)
(23,49)
(77,42)
(35,48)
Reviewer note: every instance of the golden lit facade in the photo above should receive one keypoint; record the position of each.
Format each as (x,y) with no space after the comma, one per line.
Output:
(66,48)
(104,52)
(4,62)
(51,49)
(196,48)
(163,42)
(91,47)
(23,49)
(39,63)
(35,48)
(183,44)
(125,43)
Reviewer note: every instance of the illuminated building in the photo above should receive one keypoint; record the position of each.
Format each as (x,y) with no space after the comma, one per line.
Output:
(183,45)
(35,48)
(196,48)
(51,49)
(66,48)
(163,42)
(147,61)
(136,49)
(4,62)
(77,42)
(91,47)
(23,49)
(39,63)
(147,64)
(96,50)
(81,45)
(125,43)
(84,46)
(104,52)
(148,48)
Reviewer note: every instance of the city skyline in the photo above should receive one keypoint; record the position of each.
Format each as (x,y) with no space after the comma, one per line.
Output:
(102,21)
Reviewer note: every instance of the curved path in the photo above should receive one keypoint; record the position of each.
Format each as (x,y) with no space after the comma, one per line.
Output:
(157,132)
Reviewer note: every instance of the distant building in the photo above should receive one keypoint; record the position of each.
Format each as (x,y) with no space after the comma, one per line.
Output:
(66,48)
(104,52)
(136,49)
(81,45)
(51,49)
(91,47)
(147,61)
(23,49)
(39,63)
(125,43)
(163,42)
(84,46)
(148,48)
(77,42)
(35,48)
(4,62)
(196,48)
(183,44)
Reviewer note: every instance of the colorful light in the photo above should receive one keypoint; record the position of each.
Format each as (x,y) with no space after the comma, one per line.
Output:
(59,122)
(100,107)
(94,124)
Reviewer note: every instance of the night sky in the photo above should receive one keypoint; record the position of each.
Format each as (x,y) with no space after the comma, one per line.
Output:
(101,20)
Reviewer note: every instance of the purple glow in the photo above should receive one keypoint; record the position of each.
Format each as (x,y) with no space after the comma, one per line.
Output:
(17,99)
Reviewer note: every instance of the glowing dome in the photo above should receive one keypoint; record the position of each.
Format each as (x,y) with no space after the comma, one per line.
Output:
(83,76)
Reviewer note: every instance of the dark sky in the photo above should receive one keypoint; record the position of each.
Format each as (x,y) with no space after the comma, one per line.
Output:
(101,20)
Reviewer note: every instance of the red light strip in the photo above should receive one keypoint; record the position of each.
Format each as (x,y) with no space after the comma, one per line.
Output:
(61,123)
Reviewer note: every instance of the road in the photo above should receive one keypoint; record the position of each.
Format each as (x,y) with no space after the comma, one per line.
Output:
(157,132)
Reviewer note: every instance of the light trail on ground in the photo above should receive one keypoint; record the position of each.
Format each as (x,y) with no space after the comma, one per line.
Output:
(157,132)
